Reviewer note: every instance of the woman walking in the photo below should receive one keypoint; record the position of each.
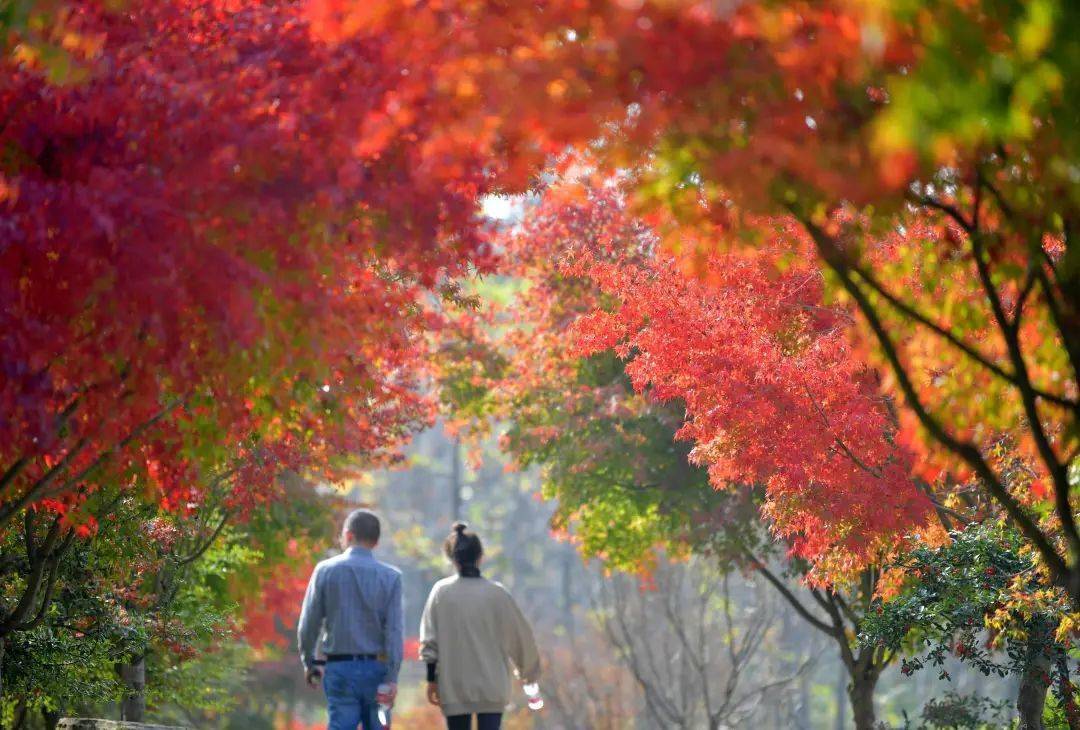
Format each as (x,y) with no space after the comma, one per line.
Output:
(470,634)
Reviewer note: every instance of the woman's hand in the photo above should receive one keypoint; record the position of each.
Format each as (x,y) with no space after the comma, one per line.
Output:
(433,694)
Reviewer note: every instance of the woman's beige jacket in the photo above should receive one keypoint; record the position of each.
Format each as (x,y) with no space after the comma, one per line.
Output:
(474,631)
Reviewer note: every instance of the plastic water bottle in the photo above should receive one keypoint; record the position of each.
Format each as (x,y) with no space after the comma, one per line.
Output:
(382,697)
(532,694)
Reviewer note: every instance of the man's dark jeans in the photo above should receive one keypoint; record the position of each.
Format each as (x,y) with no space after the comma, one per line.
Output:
(350,693)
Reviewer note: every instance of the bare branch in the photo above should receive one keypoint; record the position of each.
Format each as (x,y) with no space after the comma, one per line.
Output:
(784,591)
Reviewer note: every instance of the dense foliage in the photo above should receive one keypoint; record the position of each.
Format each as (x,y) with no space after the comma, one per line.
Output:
(949,233)
(960,590)
(981,598)
(829,248)
(206,277)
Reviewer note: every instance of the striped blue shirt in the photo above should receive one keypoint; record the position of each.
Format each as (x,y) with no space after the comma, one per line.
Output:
(353,602)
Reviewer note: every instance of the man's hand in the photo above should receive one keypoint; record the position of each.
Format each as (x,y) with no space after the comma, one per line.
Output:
(433,694)
(313,675)
(388,694)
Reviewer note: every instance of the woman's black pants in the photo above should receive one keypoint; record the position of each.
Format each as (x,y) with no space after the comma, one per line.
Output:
(484,721)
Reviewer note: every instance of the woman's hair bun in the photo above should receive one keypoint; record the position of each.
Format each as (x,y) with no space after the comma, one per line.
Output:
(463,548)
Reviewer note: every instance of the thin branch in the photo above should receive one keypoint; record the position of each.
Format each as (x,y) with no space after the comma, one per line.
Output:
(1057,470)
(844,448)
(1025,291)
(790,597)
(697,663)
(122,444)
(950,210)
(1057,315)
(40,489)
(943,513)
(1050,288)
(8,509)
(13,471)
(846,609)
(840,636)
(199,551)
(983,360)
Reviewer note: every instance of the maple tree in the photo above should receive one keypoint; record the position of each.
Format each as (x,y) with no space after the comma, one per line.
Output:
(713,343)
(771,392)
(924,148)
(215,264)
(220,239)
(129,596)
(181,597)
(612,441)
(190,256)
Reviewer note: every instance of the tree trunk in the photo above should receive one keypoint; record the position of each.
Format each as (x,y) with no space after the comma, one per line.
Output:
(455,480)
(51,718)
(1031,697)
(133,677)
(18,721)
(1035,679)
(841,700)
(861,692)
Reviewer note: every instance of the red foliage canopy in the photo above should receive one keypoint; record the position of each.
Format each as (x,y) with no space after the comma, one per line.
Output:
(215,249)
(774,394)
(768,91)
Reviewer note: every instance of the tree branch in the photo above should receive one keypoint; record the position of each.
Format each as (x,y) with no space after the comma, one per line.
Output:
(846,609)
(13,471)
(1050,288)
(199,551)
(789,596)
(50,584)
(38,565)
(40,489)
(1057,470)
(969,453)
(8,509)
(983,360)
(841,638)
(948,209)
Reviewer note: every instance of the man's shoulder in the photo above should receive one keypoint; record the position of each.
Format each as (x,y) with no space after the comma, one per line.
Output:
(328,563)
(343,559)
(390,569)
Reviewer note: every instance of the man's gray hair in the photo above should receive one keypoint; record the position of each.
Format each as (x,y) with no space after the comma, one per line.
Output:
(364,526)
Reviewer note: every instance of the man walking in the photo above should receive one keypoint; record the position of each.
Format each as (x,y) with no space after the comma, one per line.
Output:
(354,602)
